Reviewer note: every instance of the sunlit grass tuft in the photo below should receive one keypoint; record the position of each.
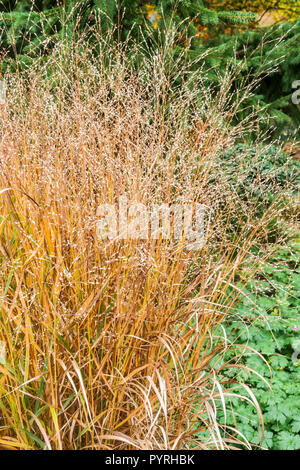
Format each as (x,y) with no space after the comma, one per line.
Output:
(115,345)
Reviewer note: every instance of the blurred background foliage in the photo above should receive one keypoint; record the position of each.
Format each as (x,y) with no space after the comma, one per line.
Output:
(285,9)
(225,31)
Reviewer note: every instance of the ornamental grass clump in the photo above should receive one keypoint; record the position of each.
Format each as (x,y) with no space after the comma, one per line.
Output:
(116,343)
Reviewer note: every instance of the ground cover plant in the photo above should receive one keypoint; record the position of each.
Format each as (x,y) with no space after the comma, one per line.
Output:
(267,320)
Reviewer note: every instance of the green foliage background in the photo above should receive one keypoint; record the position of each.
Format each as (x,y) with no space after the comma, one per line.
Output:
(268,321)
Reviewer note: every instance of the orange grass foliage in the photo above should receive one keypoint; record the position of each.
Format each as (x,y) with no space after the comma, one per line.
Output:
(113,345)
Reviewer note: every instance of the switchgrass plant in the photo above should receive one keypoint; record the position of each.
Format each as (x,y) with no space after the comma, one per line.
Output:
(116,344)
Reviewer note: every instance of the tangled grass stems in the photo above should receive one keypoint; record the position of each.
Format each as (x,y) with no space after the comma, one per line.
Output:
(115,345)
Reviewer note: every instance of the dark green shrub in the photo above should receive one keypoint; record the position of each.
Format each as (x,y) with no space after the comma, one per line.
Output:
(260,172)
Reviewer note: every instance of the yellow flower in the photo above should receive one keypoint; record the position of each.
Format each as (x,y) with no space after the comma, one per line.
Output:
(150,9)
(152,15)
